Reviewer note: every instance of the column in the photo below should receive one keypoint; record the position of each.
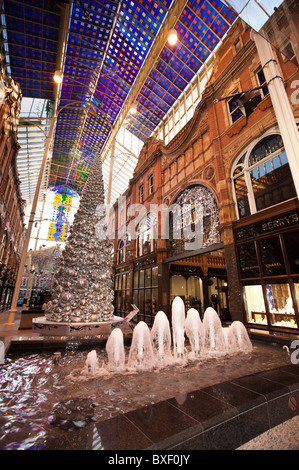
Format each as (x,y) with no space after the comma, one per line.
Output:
(281,104)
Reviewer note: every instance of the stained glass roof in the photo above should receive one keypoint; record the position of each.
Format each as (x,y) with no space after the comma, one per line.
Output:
(32,34)
(200,27)
(107,45)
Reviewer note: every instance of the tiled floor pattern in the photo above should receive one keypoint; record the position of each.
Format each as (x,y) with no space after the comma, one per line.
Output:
(223,416)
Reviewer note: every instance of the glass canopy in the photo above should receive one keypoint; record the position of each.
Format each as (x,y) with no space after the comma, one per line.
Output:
(108,45)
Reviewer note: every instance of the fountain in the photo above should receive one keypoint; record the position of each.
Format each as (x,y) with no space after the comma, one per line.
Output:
(230,341)
(68,391)
(242,339)
(161,339)
(92,362)
(195,331)
(141,354)
(156,348)
(178,320)
(116,351)
(214,340)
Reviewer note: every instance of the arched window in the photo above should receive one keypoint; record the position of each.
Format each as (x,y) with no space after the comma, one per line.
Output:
(123,249)
(193,220)
(147,235)
(262,177)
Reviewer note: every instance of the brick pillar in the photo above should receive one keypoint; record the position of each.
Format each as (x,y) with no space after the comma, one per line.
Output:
(234,286)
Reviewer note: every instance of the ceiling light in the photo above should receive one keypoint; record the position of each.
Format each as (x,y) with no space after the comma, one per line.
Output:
(172,37)
(133,109)
(58,76)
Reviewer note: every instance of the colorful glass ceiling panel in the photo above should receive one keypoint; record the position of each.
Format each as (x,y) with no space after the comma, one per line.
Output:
(107,45)
(32,34)
(201,26)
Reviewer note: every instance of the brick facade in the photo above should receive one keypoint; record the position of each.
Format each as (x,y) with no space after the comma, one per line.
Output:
(11,203)
(203,153)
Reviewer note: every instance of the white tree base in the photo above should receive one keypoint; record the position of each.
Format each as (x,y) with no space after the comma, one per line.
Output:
(51,328)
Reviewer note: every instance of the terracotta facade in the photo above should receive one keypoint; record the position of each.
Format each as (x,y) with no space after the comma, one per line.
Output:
(203,155)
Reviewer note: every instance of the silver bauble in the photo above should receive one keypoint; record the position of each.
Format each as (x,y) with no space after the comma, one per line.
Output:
(81,284)
(65,298)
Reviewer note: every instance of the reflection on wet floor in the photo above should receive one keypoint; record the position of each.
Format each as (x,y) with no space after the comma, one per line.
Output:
(43,394)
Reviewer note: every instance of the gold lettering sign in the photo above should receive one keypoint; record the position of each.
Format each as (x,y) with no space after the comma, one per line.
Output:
(280,222)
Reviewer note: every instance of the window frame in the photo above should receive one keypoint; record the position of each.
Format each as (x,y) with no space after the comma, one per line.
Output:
(262,85)
(141,193)
(151,184)
(239,107)
(246,170)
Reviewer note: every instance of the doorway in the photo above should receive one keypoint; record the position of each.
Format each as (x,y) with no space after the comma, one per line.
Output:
(218,296)
(190,289)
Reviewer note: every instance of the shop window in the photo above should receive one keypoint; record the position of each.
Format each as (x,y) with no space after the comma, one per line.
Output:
(272,257)
(190,290)
(178,287)
(248,261)
(122,293)
(281,305)
(292,248)
(255,305)
(145,293)
(263,178)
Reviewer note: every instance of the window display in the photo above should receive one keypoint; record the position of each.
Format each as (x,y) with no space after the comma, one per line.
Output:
(272,258)
(255,305)
(281,305)
(292,247)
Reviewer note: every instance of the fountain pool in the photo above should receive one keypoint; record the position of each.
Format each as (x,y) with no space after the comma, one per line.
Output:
(45,397)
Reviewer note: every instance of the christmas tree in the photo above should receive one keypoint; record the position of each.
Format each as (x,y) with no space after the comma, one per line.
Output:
(82,289)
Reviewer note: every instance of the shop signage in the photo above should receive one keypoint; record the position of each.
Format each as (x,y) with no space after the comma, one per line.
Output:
(280,222)
(176,268)
(269,225)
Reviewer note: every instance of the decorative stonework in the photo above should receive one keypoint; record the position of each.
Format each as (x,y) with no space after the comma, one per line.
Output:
(237,126)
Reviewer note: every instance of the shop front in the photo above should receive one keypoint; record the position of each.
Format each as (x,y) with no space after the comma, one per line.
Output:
(198,290)
(268,258)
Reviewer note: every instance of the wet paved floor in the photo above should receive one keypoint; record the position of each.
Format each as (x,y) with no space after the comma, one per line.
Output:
(227,410)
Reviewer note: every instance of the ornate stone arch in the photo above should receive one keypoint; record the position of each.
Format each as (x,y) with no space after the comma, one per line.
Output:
(201,202)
